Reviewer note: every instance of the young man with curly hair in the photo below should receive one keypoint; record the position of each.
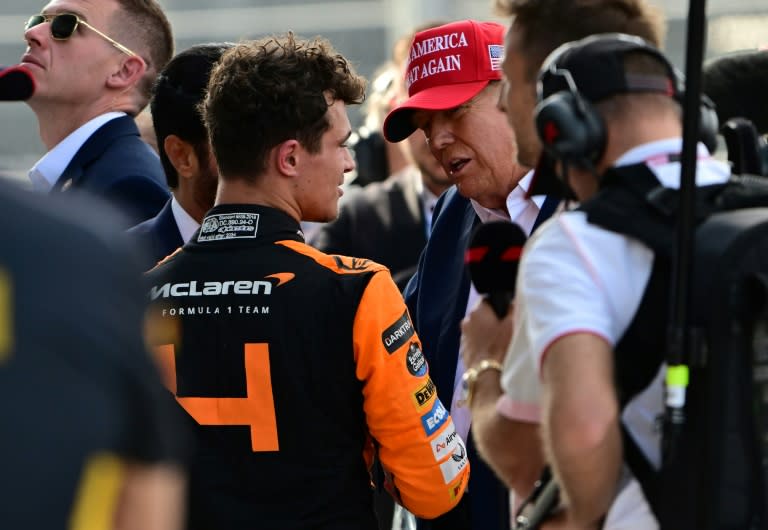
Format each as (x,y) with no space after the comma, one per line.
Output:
(295,365)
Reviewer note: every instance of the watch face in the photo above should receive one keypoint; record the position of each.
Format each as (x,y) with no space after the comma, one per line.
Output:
(465,385)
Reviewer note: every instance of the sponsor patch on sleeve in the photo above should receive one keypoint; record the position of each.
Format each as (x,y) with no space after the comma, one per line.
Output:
(455,490)
(455,464)
(398,333)
(432,420)
(415,361)
(444,443)
(423,394)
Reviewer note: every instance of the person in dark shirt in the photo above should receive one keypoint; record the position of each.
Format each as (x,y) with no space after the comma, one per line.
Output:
(91,439)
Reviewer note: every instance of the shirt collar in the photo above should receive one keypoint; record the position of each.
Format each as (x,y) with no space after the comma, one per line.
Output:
(187,225)
(50,167)
(710,171)
(517,203)
(643,152)
(428,199)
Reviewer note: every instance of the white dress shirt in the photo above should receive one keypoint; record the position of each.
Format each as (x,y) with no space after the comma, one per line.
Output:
(186,224)
(428,203)
(524,212)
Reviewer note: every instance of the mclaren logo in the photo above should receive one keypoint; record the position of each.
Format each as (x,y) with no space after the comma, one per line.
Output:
(195,288)
(282,277)
(351,264)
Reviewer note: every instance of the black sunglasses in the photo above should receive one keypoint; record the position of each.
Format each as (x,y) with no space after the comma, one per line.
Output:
(64,25)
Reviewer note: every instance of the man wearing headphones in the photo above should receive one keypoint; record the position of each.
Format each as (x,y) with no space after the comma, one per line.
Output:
(506,431)
(608,113)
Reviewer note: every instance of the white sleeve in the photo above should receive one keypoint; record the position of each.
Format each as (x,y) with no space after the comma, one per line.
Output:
(574,277)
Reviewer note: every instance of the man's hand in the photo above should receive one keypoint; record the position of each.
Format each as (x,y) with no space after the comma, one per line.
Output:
(484,336)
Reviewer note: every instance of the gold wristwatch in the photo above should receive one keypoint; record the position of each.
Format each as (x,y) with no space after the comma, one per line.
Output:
(470,376)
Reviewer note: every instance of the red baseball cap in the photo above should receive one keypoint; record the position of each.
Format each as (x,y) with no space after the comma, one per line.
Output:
(16,83)
(447,66)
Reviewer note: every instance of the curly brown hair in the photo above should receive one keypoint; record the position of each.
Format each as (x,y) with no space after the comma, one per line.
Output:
(267,91)
(546,24)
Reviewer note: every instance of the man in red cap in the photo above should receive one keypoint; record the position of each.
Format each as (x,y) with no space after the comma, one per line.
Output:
(453,78)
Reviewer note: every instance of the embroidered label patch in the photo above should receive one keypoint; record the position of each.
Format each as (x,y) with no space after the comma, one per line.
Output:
(432,420)
(397,334)
(228,226)
(495,54)
(423,394)
(415,361)
(453,465)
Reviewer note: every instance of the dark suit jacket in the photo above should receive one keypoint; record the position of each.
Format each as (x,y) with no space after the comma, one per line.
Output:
(437,300)
(383,222)
(157,237)
(115,164)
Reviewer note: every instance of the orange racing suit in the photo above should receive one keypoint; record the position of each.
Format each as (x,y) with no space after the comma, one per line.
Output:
(293,364)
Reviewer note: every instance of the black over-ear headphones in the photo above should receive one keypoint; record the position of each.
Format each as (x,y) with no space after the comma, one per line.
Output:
(569,126)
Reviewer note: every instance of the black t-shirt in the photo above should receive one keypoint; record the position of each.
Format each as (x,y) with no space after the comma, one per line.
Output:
(79,393)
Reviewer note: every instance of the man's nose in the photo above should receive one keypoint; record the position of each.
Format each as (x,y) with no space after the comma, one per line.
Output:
(349,162)
(441,133)
(36,34)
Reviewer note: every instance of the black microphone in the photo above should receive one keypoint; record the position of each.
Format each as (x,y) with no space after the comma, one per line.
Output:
(492,258)
(16,83)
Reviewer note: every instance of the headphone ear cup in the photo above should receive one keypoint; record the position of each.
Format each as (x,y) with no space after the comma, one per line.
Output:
(570,129)
(709,124)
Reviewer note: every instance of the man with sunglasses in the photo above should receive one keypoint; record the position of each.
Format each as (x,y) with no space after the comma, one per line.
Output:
(94,64)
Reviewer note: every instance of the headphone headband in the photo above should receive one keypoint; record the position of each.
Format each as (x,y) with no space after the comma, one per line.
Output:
(580,73)
(596,67)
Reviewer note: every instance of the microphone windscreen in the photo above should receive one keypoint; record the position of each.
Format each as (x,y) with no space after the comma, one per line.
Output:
(16,84)
(493,256)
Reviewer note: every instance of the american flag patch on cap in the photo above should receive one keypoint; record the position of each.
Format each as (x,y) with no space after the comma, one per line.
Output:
(495,52)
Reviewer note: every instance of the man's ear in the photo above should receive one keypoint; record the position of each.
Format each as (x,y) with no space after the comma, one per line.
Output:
(129,72)
(181,155)
(288,156)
